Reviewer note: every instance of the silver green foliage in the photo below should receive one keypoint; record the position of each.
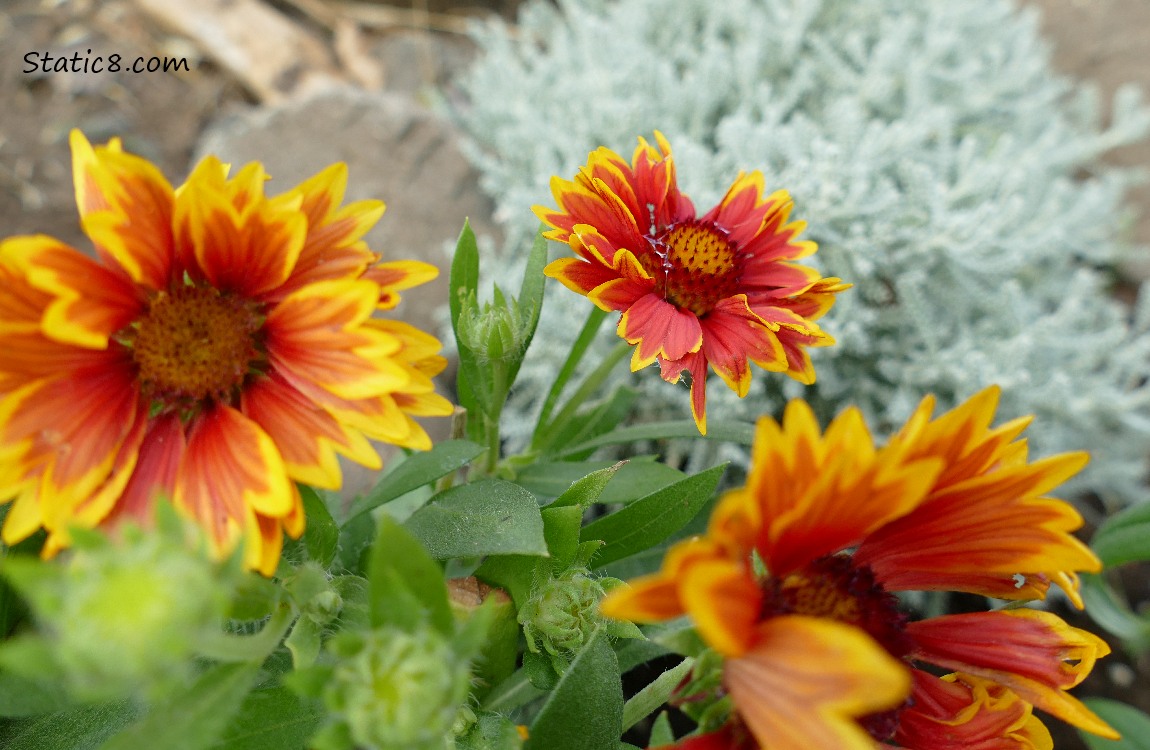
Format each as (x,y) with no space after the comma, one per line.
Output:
(944,168)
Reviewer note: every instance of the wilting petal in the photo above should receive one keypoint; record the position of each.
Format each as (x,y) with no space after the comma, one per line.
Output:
(808,680)
(1033,653)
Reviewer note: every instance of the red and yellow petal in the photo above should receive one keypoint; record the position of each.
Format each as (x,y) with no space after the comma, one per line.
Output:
(1033,653)
(732,335)
(230,474)
(67,432)
(823,493)
(660,329)
(724,601)
(126,209)
(964,712)
(318,334)
(655,597)
(395,276)
(808,680)
(306,435)
(229,245)
(86,303)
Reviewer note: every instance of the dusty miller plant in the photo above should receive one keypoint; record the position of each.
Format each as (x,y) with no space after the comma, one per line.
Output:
(944,169)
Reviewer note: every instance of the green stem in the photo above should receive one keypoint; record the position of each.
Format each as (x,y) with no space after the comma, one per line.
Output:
(491,419)
(586,389)
(578,349)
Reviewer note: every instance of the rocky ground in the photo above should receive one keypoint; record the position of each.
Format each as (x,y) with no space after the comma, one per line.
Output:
(299,84)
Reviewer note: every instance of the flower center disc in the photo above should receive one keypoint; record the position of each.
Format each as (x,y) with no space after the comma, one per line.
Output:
(194,342)
(834,588)
(696,266)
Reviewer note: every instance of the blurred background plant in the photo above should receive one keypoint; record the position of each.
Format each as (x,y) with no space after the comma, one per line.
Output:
(944,168)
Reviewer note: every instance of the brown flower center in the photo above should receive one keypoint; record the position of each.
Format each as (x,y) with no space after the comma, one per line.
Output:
(193,343)
(694,265)
(834,587)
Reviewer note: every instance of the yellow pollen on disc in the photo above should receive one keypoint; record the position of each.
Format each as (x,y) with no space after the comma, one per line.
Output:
(695,265)
(819,597)
(194,342)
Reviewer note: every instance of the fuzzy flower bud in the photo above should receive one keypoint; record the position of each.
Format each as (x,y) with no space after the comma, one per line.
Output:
(119,618)
(561,616)
(394,690)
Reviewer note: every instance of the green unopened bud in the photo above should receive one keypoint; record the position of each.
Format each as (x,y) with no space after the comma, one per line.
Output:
(496,333)
(312,589)
(561,616)
(119,618)
(394,690)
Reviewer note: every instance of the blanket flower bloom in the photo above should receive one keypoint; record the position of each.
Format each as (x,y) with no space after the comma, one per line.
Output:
(219,348)
(818,653)
(717,290)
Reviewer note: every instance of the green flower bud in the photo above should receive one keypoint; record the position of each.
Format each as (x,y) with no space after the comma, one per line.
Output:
(561,616)
(119,618)
(395,690)
(312,589)
(496,333)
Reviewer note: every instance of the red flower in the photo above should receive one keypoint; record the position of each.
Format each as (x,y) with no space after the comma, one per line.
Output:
(719,290)
(221,348)
(819,653)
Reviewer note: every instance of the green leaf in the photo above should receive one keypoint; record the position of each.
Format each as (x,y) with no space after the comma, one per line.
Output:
(649,520)
(1107,609)
(463,289)
(512,693)
(637,477)
(634,652)
(1124,537)
(742,433)
(661,732)
(587,489)
(586,707)
(83,728)
(489,517)
(1132,724)
(601,418)
(272,719)
(304,642)
(587,335)
(530,300)
(405,584)
(194,719)
(561,529)
(515,574)
(464,278)
(650,698)
(415,471)
(321,538)
(21,696)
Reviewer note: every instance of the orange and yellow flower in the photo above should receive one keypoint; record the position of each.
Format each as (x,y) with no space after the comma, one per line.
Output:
(220,347)
(818,652)
(719,290)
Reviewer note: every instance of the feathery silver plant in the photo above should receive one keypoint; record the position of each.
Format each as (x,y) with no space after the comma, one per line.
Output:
(944,168)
